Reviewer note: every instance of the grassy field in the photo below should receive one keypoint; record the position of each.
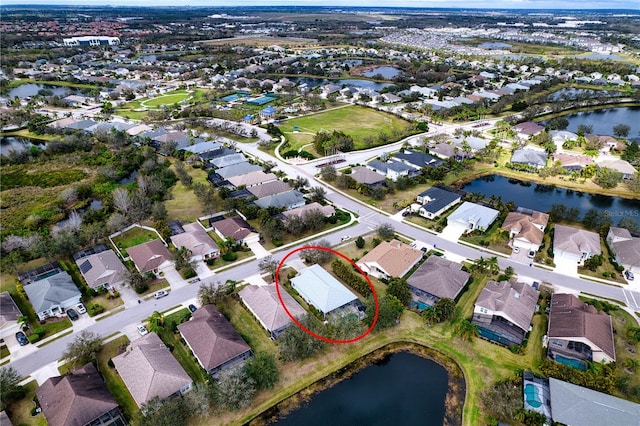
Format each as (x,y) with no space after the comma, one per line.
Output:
(20,411)
(183,204)
(625,349)
(169,98)
(356,121)
(134,237)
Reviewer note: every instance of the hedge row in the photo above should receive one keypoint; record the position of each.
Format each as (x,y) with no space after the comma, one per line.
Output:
(351,278)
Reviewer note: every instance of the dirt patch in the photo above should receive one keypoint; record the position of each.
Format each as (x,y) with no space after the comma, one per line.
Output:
(454,400)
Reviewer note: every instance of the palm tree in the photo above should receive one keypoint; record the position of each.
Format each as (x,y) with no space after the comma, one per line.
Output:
(480,264)
(492,265)
(429,315)
(467,330)
(156,322)
(23,322)
(631,364)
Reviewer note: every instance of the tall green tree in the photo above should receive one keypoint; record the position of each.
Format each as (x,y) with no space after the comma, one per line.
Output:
(9,388)
(399,288)
(84,348)
(164,412)
(262,369)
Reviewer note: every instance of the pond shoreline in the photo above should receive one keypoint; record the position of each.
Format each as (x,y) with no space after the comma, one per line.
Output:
(454,399)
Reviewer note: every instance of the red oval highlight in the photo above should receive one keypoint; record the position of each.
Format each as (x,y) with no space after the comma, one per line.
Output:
(302,327)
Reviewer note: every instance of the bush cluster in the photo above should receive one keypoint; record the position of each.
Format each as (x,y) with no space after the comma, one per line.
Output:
(350,278)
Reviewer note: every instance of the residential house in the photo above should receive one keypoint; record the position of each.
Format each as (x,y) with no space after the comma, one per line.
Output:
(435,201)
(391,169)
(237,229)
(473,142)
(504,310)
(437,278)
(527,129)
(562,136)
(626,248)
(576,405)
(79,399)
(237,170)
(621,166)
(575,245)
(607,142)
(578,332)
(202,147)
(529,157)
(284,200)
(472,217)
(228,160)
(213,340)
(51,292)
(269,188)
(318,288)
(417,159)
(9,313)
(150,256)
(264,304)
(149,370)
(572,162)
(256,178)
(101,267)
(365,176)
(327,211)
(526,228)
(390,259)
(196,240)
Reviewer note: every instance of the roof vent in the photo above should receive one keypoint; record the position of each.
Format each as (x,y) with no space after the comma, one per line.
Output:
(517,295)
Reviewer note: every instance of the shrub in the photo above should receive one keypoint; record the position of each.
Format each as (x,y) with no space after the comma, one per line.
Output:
(95,309)
(351,278)
(110,363)
(34,338)
(188,272)
(276,242)
(211,261)
(141,288)
(229,257)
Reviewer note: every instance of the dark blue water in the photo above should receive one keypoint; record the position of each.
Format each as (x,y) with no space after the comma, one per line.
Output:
(603,120)
(31,89)
(541,197)
(403,390)
(386,72)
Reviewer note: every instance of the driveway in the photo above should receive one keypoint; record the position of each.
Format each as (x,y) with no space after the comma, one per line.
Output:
(173,278)
(565,266)
(452,232)
(258,250)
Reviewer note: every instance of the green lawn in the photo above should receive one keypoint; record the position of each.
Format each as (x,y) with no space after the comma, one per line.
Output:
(356,121)
(166,99)
(4,351)
(134,237)
(183,204)
(20,411)
(114,382)
(625,349)
(494,236)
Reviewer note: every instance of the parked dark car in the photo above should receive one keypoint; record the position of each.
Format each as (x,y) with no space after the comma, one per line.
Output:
(22,338)
(629,275)
(193,308)
(72,314)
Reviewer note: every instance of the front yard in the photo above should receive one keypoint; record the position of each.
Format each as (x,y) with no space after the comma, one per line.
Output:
(112,379)
(20,411)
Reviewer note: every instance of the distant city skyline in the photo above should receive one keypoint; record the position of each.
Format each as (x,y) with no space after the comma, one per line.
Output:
(499,4)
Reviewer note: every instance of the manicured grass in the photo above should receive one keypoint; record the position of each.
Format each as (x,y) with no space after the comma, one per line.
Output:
(494,236)
(25,133)
(183,204)
(134,237)
(356,121)
(112,379)
(180,351)
(166,99)
(55,325)
(155,285)
(625,349)
(4,351)
(21,410)
(133,115)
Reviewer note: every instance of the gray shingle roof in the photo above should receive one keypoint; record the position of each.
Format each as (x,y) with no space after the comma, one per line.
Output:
(284,199)
(575,405)
(8,309)
(269,188)
(529,156)
(468,212)
(365,176)
(515,302)
(440,277)
(51,291)
(439,199)
(576,241)
(237,170)
(102,268)
(264,303)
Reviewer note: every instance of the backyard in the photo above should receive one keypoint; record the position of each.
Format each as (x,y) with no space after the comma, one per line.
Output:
(355,121)
(134,237)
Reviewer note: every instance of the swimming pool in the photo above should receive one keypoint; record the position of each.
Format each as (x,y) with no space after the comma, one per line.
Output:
(531,395)
(580,365)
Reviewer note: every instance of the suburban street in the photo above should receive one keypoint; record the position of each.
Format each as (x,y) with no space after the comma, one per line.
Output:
(368,219)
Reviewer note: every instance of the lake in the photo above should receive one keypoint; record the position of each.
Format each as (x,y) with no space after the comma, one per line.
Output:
(314,82)
(31,89)
(17,145)
(385,72)
(603,120)
(541,197)
(402,389)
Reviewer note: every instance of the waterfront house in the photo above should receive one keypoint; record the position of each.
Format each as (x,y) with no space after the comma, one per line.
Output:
(578,332)
(472,217)
(263,303)
(526,228)
(213,340)
(435,201)
(320,289)
(529,157)
(504,310)
(437,278)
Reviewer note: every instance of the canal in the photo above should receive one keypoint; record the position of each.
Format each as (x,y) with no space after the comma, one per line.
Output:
(402,389)
(541,197)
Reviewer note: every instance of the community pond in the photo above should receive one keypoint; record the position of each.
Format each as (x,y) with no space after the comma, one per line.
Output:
(401,389)
(384,71)
(355,82)
(602,121)
(541,197)
(31,89)
(17,145)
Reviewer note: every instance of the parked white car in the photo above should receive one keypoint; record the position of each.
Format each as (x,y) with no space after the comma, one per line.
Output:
(142,330)
(81,309)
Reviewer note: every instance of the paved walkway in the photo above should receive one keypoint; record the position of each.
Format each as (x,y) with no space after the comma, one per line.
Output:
(258,250)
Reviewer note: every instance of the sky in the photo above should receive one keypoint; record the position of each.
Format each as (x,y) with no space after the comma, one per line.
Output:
(508,4)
